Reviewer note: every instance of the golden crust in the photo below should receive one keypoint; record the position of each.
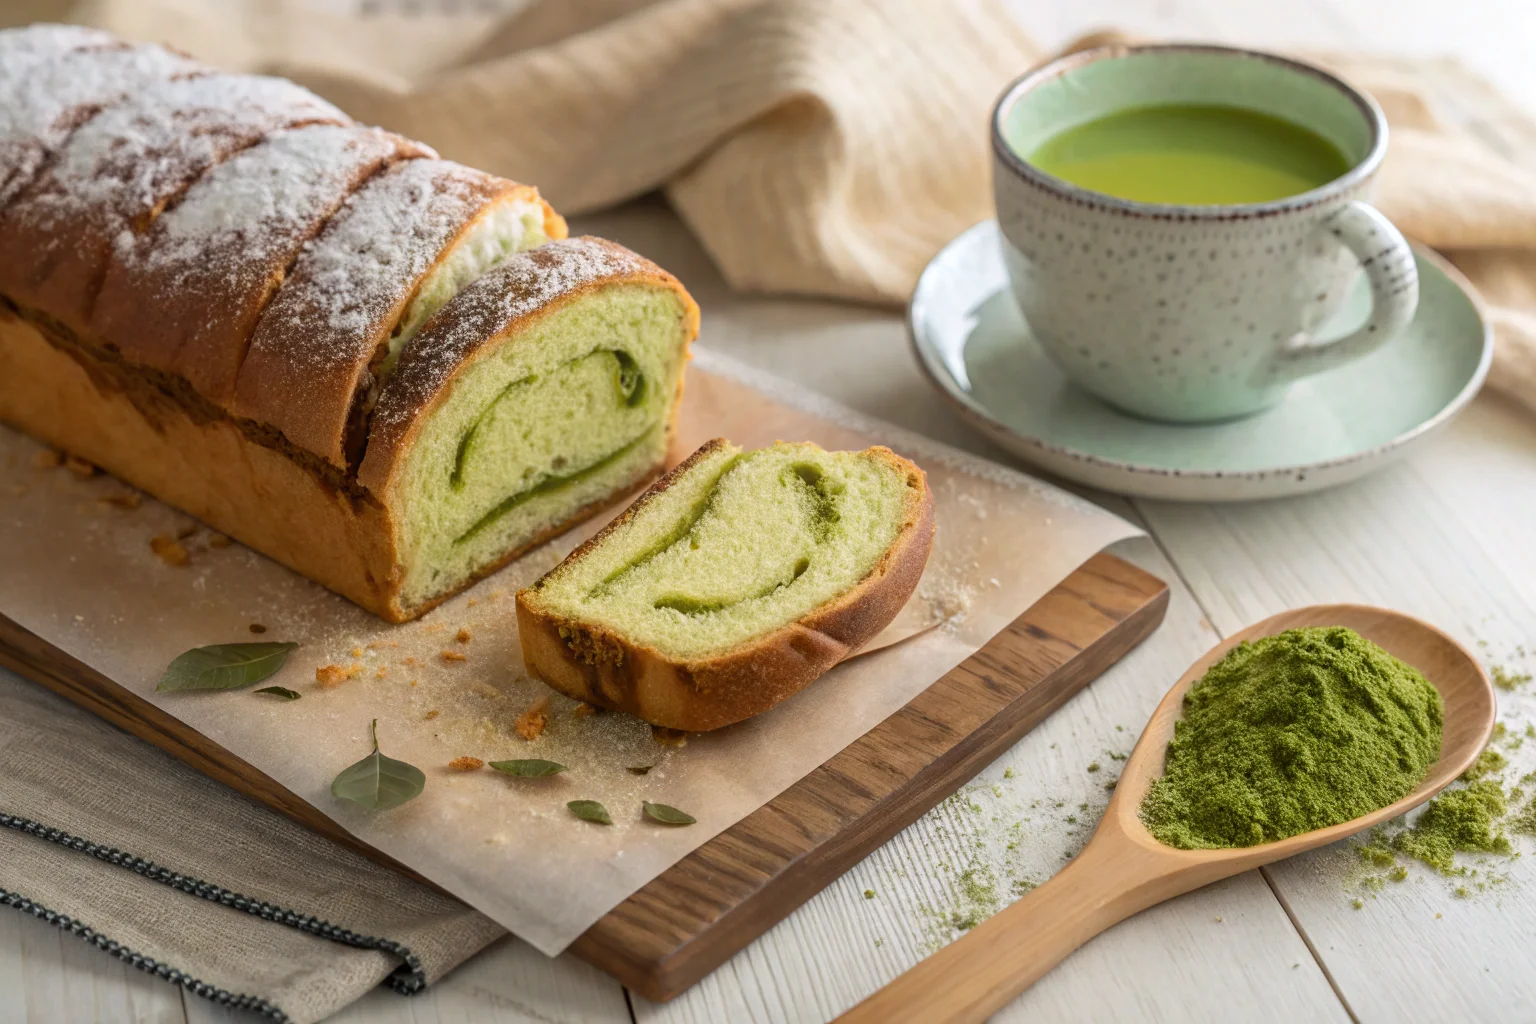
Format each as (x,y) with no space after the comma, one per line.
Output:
(204,464)
(704,694)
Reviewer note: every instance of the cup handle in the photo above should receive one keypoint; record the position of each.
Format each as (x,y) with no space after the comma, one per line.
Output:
(1388,262)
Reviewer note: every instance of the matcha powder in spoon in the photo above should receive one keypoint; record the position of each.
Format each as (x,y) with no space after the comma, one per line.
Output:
(1291,733)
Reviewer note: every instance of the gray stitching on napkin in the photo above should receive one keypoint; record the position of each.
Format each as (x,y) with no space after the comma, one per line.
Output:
(408,979)
(144,963)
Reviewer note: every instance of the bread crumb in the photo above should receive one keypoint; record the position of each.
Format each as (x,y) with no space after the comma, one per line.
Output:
(382,672)
(471,602)
(463,635)
(218,540)
(48,458)
(257,627)
(583,710)
(128,500)
(357,652)
(436,627)
(169,550)
(383,643)
(531,723)
(78,466)
(409,661)
(335,675)
(669,737)
(186,531)
(430,714)
(415,682)
(487,691)
(466,764)
(451,656)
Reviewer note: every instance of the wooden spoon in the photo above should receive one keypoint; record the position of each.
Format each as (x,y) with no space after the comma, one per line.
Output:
(1123,869)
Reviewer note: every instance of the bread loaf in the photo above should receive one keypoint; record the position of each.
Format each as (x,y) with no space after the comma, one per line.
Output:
(318,337)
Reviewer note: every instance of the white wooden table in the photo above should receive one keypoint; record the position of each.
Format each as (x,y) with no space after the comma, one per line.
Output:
(1449,535)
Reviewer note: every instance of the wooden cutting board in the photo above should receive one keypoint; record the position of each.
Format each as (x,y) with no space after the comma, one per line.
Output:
(719,898)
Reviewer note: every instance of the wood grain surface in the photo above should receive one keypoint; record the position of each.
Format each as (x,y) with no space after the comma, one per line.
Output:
(694,916)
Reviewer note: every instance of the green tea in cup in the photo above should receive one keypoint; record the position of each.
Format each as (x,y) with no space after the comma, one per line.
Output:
(1192,154)
(1179,220)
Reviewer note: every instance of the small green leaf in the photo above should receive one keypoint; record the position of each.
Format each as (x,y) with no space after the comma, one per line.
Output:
(378,781)
(224,666)
(640,769)
(667,815)
(280,691)
(531,768)
(590,810)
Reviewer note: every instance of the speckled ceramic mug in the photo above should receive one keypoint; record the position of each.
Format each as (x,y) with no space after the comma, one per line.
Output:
(1194,313)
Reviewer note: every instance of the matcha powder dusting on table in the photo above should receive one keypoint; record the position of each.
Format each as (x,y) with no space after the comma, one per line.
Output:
(1290,733)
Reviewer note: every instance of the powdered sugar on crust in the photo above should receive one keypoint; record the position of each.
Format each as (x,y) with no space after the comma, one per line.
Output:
(352,278)
(184,297)
(260,202)
(123,163)
(31,43)
(46,96)
(482,312)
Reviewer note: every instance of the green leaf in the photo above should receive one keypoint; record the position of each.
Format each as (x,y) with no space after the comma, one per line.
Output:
(532,768)
(378,781)
(280,691)
(224,666)
(667,815)
(590,810)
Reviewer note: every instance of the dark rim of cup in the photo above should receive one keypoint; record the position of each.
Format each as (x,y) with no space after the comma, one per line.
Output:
(1375,119)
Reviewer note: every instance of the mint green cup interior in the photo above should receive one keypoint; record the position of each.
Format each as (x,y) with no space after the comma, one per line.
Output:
(1039,108)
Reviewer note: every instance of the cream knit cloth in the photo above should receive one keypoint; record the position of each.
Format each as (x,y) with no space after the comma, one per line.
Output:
(816,147)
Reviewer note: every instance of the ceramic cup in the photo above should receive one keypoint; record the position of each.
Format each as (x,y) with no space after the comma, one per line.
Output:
(1194,313)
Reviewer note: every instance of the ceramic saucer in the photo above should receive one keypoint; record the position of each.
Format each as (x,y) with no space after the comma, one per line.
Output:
(974,345)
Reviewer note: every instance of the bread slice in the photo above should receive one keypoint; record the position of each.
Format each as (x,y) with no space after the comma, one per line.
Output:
(542,390)
(732,583)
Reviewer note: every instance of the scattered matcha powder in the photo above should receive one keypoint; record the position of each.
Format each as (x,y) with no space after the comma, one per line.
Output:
(1507,678)
(1465,819)
(1489,762)
(1290,733)
(1093,766)
(869,894)
(1525,821)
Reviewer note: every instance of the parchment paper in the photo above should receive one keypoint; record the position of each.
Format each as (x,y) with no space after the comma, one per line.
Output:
(77,569)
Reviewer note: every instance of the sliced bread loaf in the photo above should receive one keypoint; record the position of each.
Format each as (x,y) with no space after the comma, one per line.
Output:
(732,583)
